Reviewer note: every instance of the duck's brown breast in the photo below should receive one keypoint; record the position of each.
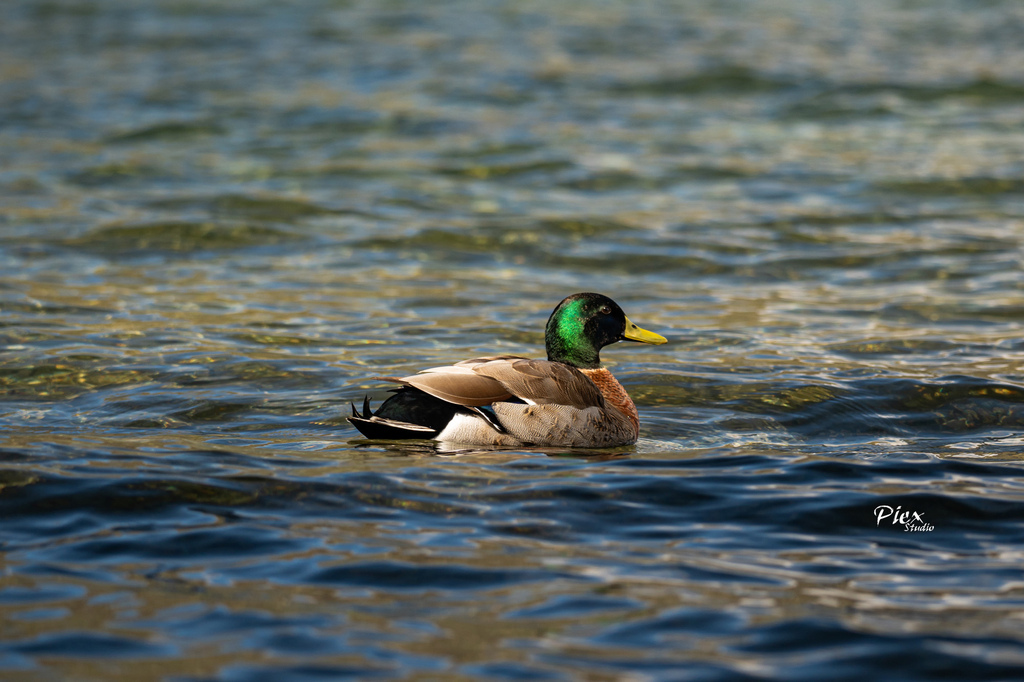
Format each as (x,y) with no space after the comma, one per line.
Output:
(614,394)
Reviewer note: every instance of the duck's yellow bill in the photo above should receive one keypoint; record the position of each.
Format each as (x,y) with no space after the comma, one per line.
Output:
(635,333)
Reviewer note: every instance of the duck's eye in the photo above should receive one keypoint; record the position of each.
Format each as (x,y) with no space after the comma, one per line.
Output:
(605,310)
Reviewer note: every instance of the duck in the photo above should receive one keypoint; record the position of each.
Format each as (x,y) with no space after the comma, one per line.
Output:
(568,400)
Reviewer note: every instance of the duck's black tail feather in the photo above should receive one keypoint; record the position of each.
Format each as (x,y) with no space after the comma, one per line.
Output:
(409,413)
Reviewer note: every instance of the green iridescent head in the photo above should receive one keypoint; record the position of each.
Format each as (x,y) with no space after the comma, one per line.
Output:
(583,324)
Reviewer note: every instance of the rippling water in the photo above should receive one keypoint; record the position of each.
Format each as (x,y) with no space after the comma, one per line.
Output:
(218,220)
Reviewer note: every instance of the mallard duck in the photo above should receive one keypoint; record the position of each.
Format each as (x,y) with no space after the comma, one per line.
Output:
(568,400)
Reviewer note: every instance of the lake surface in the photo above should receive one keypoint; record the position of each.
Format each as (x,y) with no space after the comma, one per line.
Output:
(220,220)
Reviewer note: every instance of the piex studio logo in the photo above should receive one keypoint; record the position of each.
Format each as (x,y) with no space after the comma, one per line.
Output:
(910,520)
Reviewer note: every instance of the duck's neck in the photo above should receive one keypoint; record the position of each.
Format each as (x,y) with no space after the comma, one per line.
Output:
(614,394)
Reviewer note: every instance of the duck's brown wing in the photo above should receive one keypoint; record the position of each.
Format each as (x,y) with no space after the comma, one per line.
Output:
(483,381)
(543,382)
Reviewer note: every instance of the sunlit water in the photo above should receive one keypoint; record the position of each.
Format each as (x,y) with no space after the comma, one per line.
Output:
(218,221)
